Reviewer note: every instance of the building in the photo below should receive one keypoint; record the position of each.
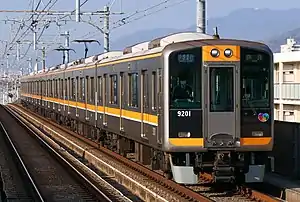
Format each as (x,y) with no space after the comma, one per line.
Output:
(287,82)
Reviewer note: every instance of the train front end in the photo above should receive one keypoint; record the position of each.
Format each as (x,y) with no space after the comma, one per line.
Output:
(218,115)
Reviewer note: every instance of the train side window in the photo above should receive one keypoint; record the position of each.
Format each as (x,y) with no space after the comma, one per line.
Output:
(92,87)
(153,90)
(99,89)
(113,89)
(133,89)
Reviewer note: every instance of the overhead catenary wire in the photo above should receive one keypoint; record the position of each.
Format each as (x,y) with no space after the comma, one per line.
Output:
(123,21)
(43,29)
(48,46)
(12,43)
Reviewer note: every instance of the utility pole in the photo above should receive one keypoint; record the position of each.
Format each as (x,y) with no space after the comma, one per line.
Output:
(106,29)
(34,39)
(44,58)
(201,16)
(77,10)
(67,46)
(18,51)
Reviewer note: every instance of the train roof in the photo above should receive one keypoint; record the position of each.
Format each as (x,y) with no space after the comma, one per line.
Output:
(140,49)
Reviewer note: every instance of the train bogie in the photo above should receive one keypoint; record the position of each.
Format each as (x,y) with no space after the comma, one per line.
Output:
(192,104)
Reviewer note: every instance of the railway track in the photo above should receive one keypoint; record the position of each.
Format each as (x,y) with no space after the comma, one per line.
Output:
(49,176)
(238,192)
(166,190)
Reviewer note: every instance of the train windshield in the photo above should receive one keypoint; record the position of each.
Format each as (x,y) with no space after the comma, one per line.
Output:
(185,79)
(255,79)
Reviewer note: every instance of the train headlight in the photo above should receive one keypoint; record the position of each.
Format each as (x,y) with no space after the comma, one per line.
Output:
(184,134)
(215,53)
(228,52)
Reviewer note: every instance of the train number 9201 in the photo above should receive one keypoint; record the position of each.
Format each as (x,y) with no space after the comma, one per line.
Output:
(184,113)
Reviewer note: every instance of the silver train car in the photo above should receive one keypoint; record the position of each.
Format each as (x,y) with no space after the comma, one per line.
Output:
(184,104)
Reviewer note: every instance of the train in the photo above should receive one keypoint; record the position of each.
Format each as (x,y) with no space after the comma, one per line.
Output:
(182,104)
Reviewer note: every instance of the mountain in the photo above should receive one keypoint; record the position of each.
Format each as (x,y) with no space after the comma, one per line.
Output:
(278,40)
(269,26)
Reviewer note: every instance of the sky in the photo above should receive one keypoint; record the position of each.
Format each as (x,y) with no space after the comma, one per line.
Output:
(178,14)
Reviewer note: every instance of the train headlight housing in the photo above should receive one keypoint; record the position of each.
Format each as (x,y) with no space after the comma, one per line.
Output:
(184,134)
(228,52)
(214,53)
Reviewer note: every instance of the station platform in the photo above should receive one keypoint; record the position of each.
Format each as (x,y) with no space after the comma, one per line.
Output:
(290,188)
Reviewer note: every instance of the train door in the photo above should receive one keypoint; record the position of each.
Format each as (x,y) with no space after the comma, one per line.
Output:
(104,96)
(122,101)
(144,104)
(221,94)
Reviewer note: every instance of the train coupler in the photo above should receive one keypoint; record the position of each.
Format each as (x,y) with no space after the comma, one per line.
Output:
(223,174)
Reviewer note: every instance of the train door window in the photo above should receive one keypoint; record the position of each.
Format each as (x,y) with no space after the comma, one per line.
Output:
(51,88)
(40,87)
(88,89)
(133,89)
(56,88)
(82,83)
(153,90)
(92,87)
(145,89)
(48,90)
(36,84)
(57,83)
(113,89)
(67,88)
(37,88)
(221,89)
(77,88)
(104,87)
(61,88)
(122,88)
(72,86)
(99,89)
